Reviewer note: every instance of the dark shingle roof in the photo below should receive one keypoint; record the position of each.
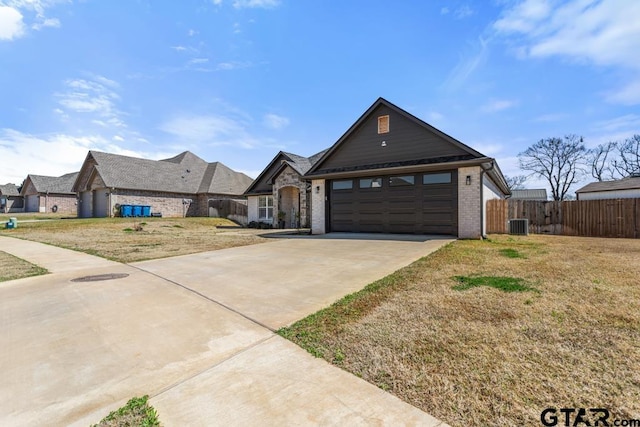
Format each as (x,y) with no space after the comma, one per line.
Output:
(220,179)
(52,184)
(621,184)
(9,190)
(184,173)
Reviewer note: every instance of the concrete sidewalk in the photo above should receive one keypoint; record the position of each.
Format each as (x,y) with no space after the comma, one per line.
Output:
(188,332)
(54,259)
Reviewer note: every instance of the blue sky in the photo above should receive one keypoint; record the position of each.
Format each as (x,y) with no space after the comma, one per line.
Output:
(238,80)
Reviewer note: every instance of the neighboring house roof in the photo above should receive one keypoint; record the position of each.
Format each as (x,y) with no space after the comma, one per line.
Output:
(51,184)
(185,173)
(9,190)
(532,194)
(630,183)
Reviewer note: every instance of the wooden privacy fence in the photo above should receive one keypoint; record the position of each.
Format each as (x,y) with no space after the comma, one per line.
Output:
(233,209)
(595,218)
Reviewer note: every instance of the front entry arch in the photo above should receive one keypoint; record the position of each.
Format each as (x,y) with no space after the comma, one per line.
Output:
(289,207)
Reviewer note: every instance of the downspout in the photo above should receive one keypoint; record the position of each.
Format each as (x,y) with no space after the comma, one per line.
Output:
(482,205)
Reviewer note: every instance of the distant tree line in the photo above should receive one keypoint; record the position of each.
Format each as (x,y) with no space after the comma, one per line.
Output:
(562,162)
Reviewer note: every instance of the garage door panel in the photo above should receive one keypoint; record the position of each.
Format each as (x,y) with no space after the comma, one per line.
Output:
(419,208)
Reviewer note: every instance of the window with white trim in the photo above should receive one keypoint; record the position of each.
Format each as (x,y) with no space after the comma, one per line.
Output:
(265,208)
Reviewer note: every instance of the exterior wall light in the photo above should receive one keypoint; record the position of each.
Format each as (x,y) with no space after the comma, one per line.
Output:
(317,189)
(384,144)
(468,181)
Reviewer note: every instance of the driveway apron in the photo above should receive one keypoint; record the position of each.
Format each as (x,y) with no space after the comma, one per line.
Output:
(193,332)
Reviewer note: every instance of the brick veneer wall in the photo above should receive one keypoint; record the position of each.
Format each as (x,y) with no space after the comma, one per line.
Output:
(169,204)
(317,207)
(66,203)
(469,204)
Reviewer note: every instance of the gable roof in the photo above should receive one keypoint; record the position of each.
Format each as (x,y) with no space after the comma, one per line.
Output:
(629,183)
(470,152)
(529,194)
(298,163)
(9,190)
(52,184)
(185,173)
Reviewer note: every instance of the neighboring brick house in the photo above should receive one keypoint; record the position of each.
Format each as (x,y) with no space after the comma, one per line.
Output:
(10,199)
(184,185)
(389,173)
(50,193)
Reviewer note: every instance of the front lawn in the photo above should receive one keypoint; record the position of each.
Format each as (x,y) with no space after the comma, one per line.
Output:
(493,332)
(15,268)
(136,239)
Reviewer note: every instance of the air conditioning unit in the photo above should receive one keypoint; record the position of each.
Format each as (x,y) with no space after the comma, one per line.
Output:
(519,227)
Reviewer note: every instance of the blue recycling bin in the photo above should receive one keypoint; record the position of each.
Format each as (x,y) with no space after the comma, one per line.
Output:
(137,210)
(146,211)
(126,210)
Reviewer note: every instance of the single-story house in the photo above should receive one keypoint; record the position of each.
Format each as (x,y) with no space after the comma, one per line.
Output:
(539,194)
(389,173)
(10,199)
(50,193)
(184,185)
(626,188)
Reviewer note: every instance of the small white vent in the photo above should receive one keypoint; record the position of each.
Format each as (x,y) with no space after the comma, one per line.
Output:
(519,227)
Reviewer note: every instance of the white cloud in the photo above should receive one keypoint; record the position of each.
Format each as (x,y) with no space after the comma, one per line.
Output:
(46,22)
(524,16)
(599,32)
(497,105)
(11,24)
(627,95)
(265,4)
(211,129)
(275,121)
(233,65)
(228,129)
(14,13)
(444,11)
(463,11)
(95,95)
(468,64)
(216,2)
(628,122)
(54,154)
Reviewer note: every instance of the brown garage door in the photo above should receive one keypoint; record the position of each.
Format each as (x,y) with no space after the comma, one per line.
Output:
(418,203)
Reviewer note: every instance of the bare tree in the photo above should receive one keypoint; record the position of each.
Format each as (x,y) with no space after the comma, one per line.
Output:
(601,159)
(561,161)
(628,161)
(515,182)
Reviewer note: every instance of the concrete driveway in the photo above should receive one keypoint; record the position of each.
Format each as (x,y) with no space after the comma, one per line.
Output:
(193,332)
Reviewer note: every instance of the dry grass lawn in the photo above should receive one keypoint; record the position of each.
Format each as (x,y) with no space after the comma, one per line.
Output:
(129,240)
(485,356)
(16,268)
